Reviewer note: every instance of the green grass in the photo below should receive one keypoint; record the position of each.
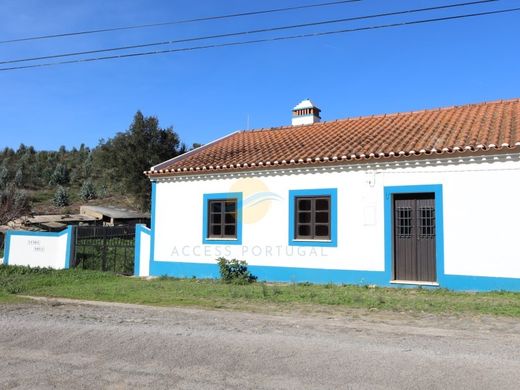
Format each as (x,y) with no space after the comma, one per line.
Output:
(9,298)
(93,285)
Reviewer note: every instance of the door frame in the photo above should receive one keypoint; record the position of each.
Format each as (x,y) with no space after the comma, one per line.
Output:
(389,192)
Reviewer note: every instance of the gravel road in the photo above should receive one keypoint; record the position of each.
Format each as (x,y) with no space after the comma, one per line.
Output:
(63,344)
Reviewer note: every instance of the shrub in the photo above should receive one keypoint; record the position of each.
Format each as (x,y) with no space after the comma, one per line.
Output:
(88,191)
(61,197)
(21,201)
(102,191)
(234,271)
(13,204)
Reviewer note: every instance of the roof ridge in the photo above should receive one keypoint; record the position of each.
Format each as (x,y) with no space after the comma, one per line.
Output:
(370,116)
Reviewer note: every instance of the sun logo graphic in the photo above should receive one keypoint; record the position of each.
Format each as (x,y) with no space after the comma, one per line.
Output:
(256,198)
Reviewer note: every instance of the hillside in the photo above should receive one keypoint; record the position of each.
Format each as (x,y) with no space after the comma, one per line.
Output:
(59,182)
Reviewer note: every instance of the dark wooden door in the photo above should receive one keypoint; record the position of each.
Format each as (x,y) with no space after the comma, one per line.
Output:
(414,237)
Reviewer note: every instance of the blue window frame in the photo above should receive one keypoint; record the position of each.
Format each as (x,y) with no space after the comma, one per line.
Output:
(332,195)
(206,237)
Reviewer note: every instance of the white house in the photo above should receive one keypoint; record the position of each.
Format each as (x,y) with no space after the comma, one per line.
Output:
(419,198)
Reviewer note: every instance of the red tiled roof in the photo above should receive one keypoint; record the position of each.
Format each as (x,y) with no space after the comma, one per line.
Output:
(475,127)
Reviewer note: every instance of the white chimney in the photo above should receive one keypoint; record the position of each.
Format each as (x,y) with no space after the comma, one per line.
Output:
(305,113)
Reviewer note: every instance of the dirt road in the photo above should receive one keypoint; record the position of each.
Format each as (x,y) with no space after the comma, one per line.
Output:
(74,346)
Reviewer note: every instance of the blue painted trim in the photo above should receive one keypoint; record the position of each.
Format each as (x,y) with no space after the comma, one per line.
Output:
(436,189)
(333,193)
(152,223)
(317,275)
(137,249)
(10,233)
(453,282)
(480,283)
(139,230)
(274,274)
(69,246)
(7,244)
(225,195)
(39,234)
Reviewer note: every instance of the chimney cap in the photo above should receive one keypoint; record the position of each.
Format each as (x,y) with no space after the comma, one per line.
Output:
(307,103)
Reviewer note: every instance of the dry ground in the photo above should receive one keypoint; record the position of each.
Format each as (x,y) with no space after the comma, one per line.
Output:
(54,344)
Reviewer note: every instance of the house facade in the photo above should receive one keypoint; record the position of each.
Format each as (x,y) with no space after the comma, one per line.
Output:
(425,198)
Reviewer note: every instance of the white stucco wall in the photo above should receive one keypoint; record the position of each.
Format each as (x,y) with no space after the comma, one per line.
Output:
(38,250)
(144,251)
(480,201)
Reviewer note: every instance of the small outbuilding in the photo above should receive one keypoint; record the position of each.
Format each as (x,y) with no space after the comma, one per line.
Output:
(114,216)
(426,198)
(57,223)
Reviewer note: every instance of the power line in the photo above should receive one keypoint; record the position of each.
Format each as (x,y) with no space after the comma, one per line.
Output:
(181,21)
(274,39)
(228,35)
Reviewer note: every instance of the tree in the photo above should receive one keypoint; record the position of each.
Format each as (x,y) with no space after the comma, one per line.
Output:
(128,154)
(18,178)
(13,204)
(60,175)
(88,191)
(61,197)
(87,166)
(4,176)
(21,149)
(7,152)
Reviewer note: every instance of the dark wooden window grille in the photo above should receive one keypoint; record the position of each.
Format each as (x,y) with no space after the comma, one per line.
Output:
(222,217)
(426,222)
(312,220)
(404,222)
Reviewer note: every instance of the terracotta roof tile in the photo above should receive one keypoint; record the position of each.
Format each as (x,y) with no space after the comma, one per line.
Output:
(491,125)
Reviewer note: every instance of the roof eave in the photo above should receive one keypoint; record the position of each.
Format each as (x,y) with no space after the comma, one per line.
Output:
(183,156)
(473,151)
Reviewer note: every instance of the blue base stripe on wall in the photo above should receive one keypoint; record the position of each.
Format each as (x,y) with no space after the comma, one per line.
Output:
(317,275)
(272,274)
(480,283)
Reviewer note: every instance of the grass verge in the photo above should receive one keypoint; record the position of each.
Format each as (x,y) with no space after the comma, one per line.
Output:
(92,285)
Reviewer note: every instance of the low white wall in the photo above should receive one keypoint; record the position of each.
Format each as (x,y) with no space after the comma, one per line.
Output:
(142,251)
(38,249)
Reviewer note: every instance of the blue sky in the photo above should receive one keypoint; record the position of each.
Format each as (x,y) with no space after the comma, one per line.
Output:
(210,93)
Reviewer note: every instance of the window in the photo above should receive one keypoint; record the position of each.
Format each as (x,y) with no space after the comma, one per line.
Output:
(426,222)
(404,222)
(313,217)
(222,219)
